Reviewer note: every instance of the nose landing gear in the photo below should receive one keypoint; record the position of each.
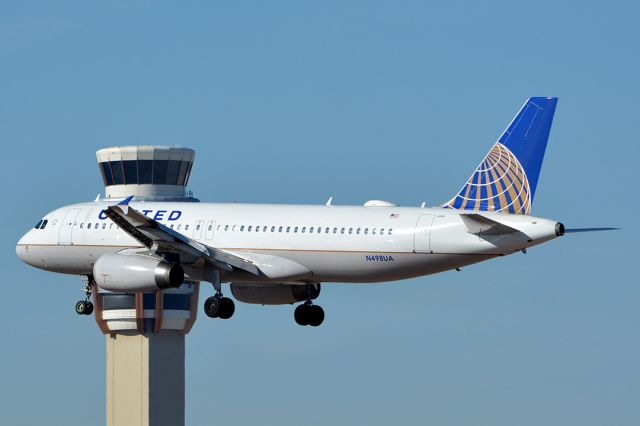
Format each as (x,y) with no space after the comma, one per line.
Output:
(85,307)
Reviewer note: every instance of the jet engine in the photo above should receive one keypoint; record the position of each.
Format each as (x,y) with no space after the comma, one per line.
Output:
(273,294)
(136,273)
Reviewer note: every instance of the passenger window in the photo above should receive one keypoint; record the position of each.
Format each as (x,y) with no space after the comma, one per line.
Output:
(326,230)
(217,229)
(335,230)
(198,227)
(104,226)
(172,227)
(264,229)
(295,230)
(96,226)
(242,228)
(89,225)
(280,229)
(373,231)
(350,230)
(226,228)
(273,229)
(257,228)
(111,226)
(358,231)
(342,231)
(233,228)
(179,226)
(210,227)
(249,228)
(390,231)
(81,225)
(288,229)
(366,231)
(304,228)
(381,231)
(186,227)
(310,230)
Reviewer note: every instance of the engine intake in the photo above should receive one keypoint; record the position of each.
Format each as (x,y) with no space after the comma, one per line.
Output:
(136,273)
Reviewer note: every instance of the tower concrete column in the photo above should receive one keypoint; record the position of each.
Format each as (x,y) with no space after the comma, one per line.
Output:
(145,354)
(145,379)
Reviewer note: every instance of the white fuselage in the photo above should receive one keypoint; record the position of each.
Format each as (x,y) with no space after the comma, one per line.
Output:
(336,243)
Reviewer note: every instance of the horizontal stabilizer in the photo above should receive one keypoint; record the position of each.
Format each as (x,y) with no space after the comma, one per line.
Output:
(481,225)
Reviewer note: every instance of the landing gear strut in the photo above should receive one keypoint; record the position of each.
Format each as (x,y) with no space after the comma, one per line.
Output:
(308,313)
(219,306)
(85,307)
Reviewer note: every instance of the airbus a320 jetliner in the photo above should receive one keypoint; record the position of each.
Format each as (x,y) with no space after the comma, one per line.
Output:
(279,254)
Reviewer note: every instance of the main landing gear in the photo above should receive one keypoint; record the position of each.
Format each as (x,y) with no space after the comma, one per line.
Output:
(219,306)
(85,307)
(308,313)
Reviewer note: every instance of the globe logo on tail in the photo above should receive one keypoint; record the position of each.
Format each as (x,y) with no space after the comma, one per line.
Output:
(499,184)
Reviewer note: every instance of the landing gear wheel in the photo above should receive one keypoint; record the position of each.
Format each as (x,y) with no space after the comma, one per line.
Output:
(82,307)
(308,314)
(227,308)
(316,315)
(89,309)
(300,315)
(213,306)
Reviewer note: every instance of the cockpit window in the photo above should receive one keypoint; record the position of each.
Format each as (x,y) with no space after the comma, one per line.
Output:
(38,224)
(44,223)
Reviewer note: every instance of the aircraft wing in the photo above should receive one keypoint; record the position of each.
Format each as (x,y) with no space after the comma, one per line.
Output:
(152,234)
(481,225)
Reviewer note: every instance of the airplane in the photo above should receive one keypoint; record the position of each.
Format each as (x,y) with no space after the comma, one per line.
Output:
(280,254)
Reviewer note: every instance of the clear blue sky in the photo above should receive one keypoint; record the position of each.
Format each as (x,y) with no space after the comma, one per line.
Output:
(294,102)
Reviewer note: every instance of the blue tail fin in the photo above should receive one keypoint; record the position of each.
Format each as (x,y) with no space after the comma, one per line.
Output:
(506,179)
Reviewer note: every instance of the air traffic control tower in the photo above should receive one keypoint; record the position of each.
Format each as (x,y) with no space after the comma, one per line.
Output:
(145,332)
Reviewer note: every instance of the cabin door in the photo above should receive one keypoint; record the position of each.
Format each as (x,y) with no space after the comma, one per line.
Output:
(66,227)
(422,235)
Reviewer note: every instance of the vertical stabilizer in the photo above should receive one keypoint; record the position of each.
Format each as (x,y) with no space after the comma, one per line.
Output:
(506,179)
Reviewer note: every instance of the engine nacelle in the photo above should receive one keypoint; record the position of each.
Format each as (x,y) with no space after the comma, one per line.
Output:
(273,294)
(134,273)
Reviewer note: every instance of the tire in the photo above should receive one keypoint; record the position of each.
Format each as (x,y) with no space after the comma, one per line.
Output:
(81,307)
(89,309)
(212,307)
(301,315)
(227,308)
(316,315)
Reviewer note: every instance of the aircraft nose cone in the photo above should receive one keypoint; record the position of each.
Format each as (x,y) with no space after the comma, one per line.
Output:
(21,252)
